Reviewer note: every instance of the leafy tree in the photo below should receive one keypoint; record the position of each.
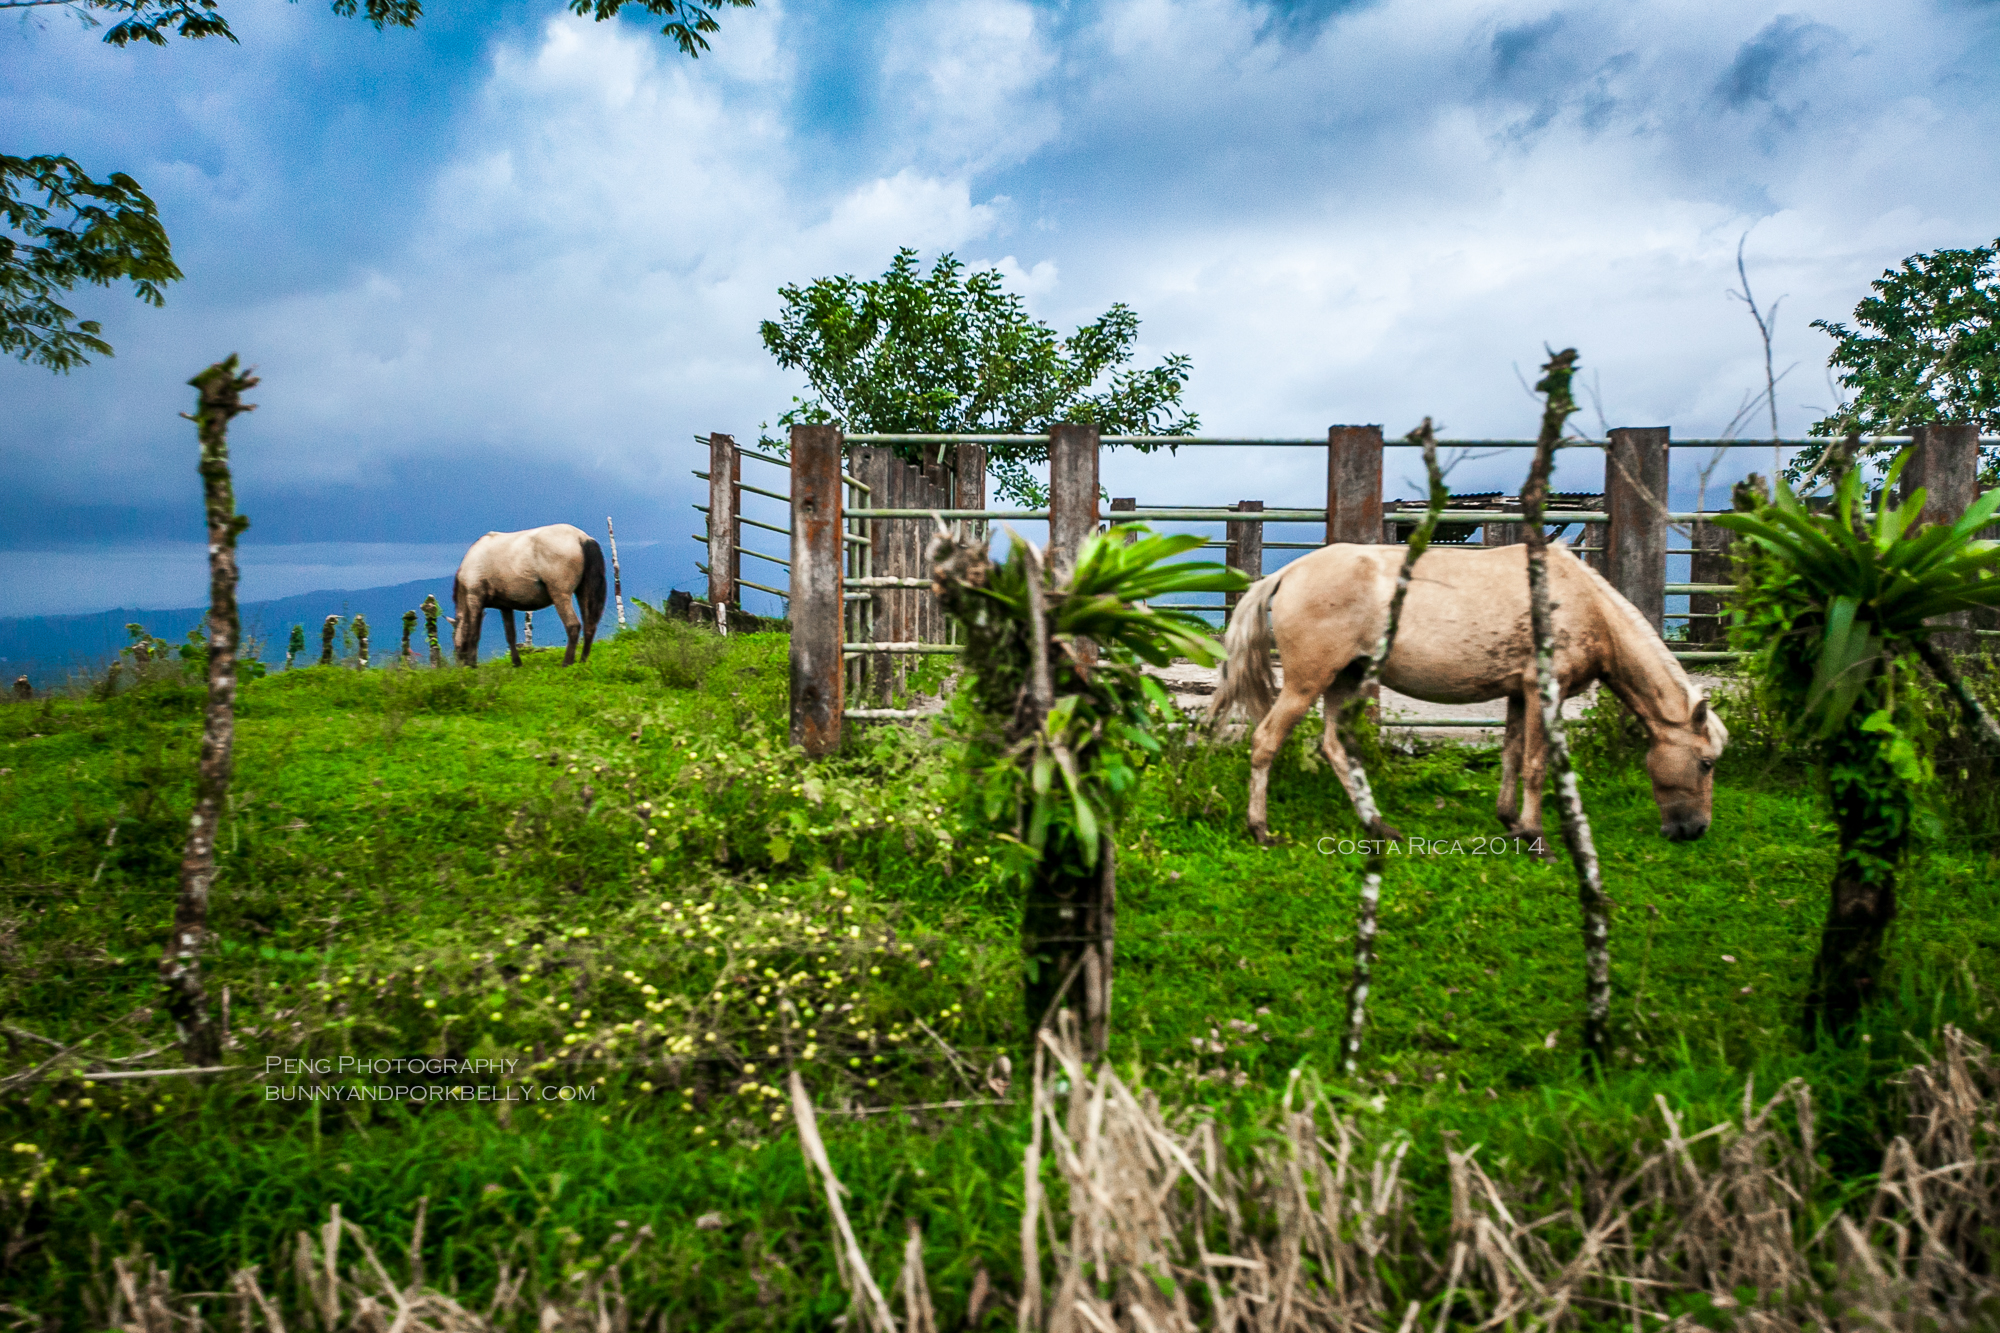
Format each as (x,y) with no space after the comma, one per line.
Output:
(1925,348)
(1834,608)
(954,351)
(87,231)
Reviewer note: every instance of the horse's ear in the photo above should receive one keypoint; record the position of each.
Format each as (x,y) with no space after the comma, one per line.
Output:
(1700,719)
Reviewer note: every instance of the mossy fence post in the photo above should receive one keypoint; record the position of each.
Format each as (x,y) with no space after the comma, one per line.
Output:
(1560,771)
(1380,834)
(431,610)
(409,628)
(295,645)
(326,633)
(221,391)
(361,641)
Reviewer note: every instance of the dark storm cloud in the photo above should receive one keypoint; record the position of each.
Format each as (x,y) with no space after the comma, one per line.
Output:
(1784,48)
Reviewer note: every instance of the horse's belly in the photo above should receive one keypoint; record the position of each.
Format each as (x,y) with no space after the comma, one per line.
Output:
(1454,668)
(519,595)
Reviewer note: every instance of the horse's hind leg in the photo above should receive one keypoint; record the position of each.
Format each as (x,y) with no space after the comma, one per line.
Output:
(1534,768)
(1509,808)
(513,648)
(1265,742)
(1335,703)
(572,624)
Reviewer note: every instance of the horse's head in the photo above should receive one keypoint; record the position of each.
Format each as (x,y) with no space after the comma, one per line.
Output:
(1681,762)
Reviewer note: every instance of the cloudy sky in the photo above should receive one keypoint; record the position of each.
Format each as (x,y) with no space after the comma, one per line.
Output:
(498,270)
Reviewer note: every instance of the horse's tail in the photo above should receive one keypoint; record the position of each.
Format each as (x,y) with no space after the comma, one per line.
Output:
(590,591)
(1247,680)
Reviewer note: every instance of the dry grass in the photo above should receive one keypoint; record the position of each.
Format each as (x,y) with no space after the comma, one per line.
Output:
(1166,1233)
(341,1285)
(1139,1221)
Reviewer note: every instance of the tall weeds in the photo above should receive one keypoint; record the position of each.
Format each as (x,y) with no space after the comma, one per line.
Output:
(1170,1229)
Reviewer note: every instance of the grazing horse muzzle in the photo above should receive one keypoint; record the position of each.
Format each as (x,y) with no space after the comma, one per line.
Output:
(1683,828)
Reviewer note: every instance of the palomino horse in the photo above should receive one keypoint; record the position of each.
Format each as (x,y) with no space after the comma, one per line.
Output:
(526,571)
(1464,637)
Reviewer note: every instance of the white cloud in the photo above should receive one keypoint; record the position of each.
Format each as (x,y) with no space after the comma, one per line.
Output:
(1371,219)
(963,76)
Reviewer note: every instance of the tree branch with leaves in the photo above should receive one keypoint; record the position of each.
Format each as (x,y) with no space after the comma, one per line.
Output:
(64,229)
(60,228)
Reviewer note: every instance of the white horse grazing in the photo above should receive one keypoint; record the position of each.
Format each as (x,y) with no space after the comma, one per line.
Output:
(526,571)
(1464,637)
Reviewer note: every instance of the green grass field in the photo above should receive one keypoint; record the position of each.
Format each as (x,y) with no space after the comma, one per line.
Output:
(636,890)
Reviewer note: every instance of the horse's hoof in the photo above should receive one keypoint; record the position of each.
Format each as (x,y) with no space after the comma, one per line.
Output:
(1263,837)
(1389,832)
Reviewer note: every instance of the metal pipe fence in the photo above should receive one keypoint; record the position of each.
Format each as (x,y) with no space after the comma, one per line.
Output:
(1624,536)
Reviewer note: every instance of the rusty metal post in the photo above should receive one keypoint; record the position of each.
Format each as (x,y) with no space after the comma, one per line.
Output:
(1072,492)
(725,526)
(818,678)
(1246,546)
(1354,484)
(1635,495)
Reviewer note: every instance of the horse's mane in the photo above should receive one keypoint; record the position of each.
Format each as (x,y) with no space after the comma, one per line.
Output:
(1646,634)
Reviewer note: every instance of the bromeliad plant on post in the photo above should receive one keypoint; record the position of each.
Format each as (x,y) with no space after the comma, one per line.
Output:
(1060,720)
(1834,608)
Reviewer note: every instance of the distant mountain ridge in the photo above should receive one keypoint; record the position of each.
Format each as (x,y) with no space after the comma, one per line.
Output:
(48,648)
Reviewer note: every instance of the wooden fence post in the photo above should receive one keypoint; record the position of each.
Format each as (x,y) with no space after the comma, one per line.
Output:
(1072,492)
(1635,495)
(1709,564)
(1246,546)
(1945,464)
(968,483)
(725,528)
(818,675)
(1354,484)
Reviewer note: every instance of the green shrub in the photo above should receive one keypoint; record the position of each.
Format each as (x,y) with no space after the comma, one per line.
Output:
(679,653)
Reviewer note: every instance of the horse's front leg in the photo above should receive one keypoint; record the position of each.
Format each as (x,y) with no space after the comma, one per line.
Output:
(513,648)
(1336,754)
(1265,742)
(465,630)
(572,625)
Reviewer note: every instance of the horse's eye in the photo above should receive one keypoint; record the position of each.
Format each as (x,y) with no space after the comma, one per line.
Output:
(1707,765)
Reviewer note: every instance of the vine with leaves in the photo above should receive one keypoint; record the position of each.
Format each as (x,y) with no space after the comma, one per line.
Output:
(1834,609)
(1059,718)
